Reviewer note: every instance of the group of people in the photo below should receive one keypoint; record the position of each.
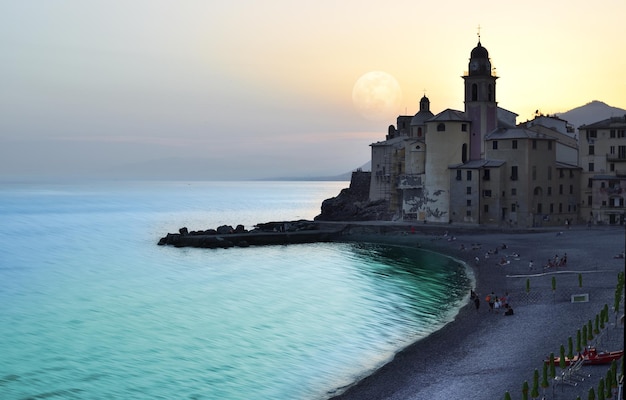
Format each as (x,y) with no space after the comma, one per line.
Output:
(557,262)
(495,303)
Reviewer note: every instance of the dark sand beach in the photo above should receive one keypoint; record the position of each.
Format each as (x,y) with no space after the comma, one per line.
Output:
(482,354)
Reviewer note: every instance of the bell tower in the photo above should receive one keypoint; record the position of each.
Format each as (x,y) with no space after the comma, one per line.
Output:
(480,99)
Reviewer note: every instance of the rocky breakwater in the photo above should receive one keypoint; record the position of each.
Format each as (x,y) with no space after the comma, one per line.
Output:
(269,233)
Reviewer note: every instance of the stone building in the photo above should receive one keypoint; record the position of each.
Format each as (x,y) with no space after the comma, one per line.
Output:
(477,166)
(603,162)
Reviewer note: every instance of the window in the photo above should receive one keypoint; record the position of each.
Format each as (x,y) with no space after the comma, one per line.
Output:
(469,203)
(551,208)
(612,150)
(474,92)
(539,208)
(513,191)
(560,207)
(441,127)
(534,144)
(549,144)
(621,152)
(591,167)
(469,175)
(571,173)
(592,149)
(561,173)
(549,190)
(612,133)
(486,208)
(514,144)
(612,167)
(458,175)
(463,127)
(592,133)
(549,173)
(486,193)
(589,198)
(468,213)
(534,172)
(468,190)
(513,207)
(560,189)
(589,182)
(571,189)
(494,145)
(514,173)
(486,174)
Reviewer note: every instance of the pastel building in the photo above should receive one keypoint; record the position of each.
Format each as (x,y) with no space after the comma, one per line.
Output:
(477,166)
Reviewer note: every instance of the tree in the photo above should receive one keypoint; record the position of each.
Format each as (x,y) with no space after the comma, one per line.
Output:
(601,389)
(507,396)
(578,342)
(544,379)
(596,330)
(552,366)
(585,335)
(562,363)
(589,330)
(592,394)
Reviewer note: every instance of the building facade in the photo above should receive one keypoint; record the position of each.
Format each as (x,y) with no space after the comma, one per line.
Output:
(603,162)
(477,166)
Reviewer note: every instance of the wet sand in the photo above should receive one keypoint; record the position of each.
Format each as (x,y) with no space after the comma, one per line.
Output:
(482,354)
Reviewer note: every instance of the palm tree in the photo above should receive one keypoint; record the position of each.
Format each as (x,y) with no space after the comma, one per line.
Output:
(570,348)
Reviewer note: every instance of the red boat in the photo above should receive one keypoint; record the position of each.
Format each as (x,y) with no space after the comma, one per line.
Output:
(591,356)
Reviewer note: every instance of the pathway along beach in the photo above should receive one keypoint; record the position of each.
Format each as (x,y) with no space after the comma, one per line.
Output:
(481,354)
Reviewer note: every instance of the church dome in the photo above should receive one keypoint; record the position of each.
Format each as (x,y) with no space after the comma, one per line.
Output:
(479,52)
(423,114)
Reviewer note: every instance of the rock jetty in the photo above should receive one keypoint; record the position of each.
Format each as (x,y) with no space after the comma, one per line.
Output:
(269,233)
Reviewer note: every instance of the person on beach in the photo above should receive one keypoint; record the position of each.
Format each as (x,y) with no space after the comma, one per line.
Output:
(477,303)
(491,299)
(509,310)
(531,265)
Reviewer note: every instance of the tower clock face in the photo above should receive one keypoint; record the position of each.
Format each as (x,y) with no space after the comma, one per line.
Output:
(473,66)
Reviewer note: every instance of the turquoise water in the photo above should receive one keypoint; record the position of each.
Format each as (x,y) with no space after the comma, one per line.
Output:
(91,307)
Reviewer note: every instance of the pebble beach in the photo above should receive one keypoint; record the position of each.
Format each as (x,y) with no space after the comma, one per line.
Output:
(483,354)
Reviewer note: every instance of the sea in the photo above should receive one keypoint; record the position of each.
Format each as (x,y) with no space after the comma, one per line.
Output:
(92,308)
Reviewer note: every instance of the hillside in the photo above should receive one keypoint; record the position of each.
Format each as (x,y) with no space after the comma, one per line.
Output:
(591,112)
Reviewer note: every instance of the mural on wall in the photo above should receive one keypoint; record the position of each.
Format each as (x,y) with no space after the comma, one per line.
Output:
(420,203)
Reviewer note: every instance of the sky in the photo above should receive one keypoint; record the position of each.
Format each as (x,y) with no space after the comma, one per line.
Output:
(248,89)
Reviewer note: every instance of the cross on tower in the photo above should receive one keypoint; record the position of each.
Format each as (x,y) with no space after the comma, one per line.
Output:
(478,33)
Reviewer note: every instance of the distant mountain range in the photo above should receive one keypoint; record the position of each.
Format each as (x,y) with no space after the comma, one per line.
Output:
(590,113)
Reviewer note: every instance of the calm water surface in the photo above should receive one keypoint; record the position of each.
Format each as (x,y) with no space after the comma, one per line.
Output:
(91,307)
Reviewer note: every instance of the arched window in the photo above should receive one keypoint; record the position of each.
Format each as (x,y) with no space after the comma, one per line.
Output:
(490,92)
(441,127)
(464,153)
(474,92)
(419,132)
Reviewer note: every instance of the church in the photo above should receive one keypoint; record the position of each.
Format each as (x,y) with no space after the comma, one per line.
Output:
(478,166)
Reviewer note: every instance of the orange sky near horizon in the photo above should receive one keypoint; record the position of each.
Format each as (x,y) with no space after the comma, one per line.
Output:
(240,76)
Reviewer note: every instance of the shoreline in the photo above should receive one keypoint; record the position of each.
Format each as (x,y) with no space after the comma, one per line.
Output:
(481,354)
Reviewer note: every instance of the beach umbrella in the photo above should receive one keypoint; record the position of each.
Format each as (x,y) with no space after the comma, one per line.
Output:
(608,384)
(535,392)
(507,396)
(552,366)
(525,391)
(614,373)
(601,389)
(570,348)
(580,280)
(592,394)
(578,342)
(562,363)
(544,379)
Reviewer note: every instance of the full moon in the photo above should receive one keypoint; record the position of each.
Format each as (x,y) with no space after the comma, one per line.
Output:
(377,96)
